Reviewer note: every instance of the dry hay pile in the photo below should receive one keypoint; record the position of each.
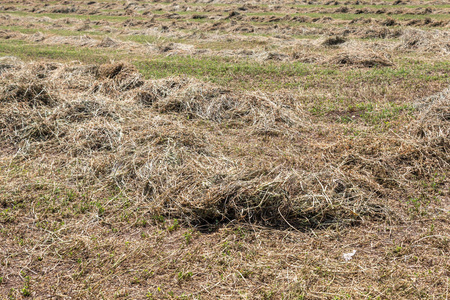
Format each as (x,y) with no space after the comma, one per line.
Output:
(365,59)
(433,125)
(182,148)
(427,41)
(116,78)
(108,42)
(357,54)
(333,41)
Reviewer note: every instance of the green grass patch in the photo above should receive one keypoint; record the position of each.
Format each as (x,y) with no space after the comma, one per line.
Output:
(76,16)
(238,73)
(31,51)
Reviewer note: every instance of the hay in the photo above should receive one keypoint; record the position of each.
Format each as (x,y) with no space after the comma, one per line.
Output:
(81,110)
(32,93)
(425,41)
(183,95)
(185,172)
(276,202)
(167,160)
(364,59)
(388,22)
(119,76)
(108,42)
(333,41)
(285,166)
(198,100)
(9,62)
(433,126)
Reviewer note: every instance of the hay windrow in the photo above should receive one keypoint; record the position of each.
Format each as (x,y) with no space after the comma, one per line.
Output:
(186,175)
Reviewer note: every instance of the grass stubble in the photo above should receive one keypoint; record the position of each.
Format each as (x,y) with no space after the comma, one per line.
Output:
(117,185)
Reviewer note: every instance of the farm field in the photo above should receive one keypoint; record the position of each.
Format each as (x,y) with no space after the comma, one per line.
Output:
(225,149)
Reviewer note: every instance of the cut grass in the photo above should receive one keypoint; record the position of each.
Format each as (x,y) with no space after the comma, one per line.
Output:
(193,170)
(97,227)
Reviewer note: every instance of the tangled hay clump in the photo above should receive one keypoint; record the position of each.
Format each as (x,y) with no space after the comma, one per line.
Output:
(118,77)
(9,62)
(108,43)
(189,96)
(334,41)
(367,60)
(31,93)
(434,122)
(427,41)
(27,86)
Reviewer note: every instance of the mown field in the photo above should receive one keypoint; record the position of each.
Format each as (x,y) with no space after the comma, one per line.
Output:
(224,149)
